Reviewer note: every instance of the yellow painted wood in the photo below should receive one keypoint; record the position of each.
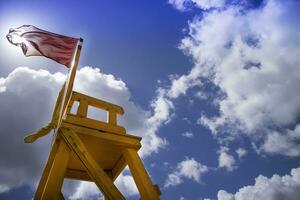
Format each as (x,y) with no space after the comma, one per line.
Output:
(101,179)
(76,96)
(77,175)
(61,196)
(47,168)
(121,140)
(69,84)
(140,175)
(89,149)
(119,167)
(112,117)
(91,123)
(40,133)
(56,175)
(81,175)
(55,114)
(70,105)
(82,108)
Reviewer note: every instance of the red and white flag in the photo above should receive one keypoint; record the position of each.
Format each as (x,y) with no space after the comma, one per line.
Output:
(37,42)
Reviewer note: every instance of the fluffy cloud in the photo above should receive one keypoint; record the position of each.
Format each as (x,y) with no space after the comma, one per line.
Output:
(286,144)
(126,185)
(255,68)
(86,190)
(241,152)
(4,188)
(160,115)
(183,5)
(27,98)
(188,168)
(26,103)
(226,160)
(89,191)
(274,188)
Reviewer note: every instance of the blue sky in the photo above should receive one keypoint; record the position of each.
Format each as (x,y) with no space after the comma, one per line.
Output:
(211,86)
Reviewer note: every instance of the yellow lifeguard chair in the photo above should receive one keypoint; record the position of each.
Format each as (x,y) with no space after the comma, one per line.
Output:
(88,149)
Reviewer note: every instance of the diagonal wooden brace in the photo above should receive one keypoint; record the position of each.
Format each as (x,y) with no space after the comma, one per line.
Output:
(47,169)
(54,172)
(143,182)
(102,180)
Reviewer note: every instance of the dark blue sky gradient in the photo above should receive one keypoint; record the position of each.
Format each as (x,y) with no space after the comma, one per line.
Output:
(130,39)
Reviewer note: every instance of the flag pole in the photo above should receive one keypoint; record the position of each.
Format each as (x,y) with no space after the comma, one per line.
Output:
(69,82)
(76,55)
(62,101)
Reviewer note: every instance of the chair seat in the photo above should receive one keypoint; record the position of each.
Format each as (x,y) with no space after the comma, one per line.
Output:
(105,147)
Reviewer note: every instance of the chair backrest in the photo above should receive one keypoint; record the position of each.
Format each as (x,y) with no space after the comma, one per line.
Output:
(81,118)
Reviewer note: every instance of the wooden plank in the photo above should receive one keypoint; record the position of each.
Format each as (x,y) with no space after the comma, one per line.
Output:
(70,105)
(47,168)
(82,108)
(61,196)
(118,168)
(81,175)
(140,175)
(77,175)
(40,133)
(99,103)
(55,114)
(56,174)
(122,140)
(101,179)
(112,118)
(91,123)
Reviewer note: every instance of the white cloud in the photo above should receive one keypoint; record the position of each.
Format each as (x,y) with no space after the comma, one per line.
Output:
(126,185)
(256,69)
(187,134)
(241,152)
(188,168)
(226,160)
(26,104)
(178,4)
(173,179)
(160,115)
(274,188)
(86,190)
(208,4)
(180,84)
(89,190)
(3,188)
(285,144)
(183,5)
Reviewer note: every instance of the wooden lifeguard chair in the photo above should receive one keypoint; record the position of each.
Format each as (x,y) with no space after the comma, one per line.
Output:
(88,149)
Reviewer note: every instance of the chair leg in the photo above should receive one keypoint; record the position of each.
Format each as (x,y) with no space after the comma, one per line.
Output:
(61,196)
(140,175)
(47,168)
(52,187)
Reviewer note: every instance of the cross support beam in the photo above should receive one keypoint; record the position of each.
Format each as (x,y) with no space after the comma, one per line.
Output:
(99,176)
